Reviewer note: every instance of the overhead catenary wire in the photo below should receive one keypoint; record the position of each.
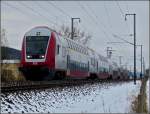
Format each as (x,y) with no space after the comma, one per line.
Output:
(55,6)
(17,9)
(92,19)
(107,37)
(98,19)
(120,8)
(96,22)
(33,11)
(41,15)
(107,13)
(122,14)
(63,12)
(46,10)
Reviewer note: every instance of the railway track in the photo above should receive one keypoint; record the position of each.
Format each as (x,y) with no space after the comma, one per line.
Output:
(30,85)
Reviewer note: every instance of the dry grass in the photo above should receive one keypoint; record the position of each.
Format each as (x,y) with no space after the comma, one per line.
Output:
(10,72)
(134,105)
(139,105)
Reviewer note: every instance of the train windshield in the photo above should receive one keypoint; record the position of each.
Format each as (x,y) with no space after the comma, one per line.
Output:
(36,46)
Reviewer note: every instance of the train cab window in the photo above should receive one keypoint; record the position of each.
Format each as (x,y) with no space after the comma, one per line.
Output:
(58,46)
(36,45)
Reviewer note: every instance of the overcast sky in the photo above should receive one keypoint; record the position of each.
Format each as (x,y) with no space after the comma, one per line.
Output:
(101,19)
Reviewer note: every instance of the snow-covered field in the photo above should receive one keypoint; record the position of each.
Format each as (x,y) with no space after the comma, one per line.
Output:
(102,98)
(147,91)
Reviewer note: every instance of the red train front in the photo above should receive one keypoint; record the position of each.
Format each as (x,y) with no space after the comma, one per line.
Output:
(38,53)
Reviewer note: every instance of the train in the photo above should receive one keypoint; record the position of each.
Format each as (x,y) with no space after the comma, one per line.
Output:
(48,55)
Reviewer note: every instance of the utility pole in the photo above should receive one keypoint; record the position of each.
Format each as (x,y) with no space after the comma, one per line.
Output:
(143,67)
(72,30)
(141,62)
(134,16)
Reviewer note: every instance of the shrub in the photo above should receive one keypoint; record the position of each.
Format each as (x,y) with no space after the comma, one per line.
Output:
(10,72)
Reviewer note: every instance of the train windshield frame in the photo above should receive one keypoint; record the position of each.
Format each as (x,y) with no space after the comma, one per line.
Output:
(36,46)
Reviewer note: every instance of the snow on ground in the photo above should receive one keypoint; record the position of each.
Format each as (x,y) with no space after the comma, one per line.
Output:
(147,91)
(88,98)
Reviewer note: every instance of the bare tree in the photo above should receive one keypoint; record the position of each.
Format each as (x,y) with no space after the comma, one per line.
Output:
(4,44)
(3,38)
(65,31)
(79,36)
(87,39)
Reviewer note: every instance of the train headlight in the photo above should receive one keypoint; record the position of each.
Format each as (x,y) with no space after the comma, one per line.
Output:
(28,56)
(42,56)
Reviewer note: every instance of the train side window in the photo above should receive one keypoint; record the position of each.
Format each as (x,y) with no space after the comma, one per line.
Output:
(91,61)
(73,46)
(76,47)
(68,43)
(58,46)
(63,51)
(84,51)
(81,50)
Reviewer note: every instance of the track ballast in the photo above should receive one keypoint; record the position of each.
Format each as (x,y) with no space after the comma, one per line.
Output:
(30,85)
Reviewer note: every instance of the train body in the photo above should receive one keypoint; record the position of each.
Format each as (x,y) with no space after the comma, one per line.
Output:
(47,55)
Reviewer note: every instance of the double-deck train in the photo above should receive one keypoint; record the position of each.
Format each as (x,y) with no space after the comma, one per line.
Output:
(48,55)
